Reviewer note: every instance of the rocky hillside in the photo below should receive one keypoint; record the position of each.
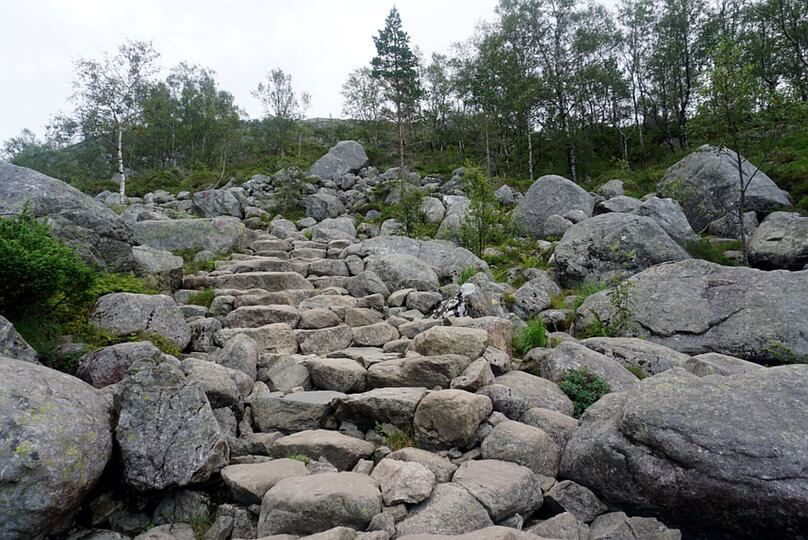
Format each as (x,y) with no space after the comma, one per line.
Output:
(334,379)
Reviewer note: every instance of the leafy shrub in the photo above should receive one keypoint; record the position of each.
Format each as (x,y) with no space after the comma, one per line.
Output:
(530,336)
(637,371)
(202,298)
(466,274)
(409,209)
(36,270)
(706,250)
(585,291)
(584,388)
(290,190)
(299,457)
(482,222)
(394,438)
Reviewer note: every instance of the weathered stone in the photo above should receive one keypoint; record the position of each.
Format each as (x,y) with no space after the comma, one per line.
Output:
(217,202)
(250,482)
(475,376)
(559,427)
(339,374)
(182,506)
(535,295)
(341,450)
(403,482)
(325,340)
(166,431)
(342,158)
(219,235)
(293,412)
(562,526)
(55,442)
(619,525)
(403,271)
(718,364)
(374,335)
(515,392)
(125,314)
(781,241)
(273,338)
(315,503)
(551,195)
(570,497)
(669,215)
(108,365)
(450,510)
(442,468)
(448,418)
(163,268)
(637,353)
(569,356)
(382,405)
(523,444)
(470,342)
(677,440)
(255,316)
(502,487)
(13,345)
(241,353)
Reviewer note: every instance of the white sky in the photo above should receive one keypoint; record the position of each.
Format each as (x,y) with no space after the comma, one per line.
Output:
(317,41)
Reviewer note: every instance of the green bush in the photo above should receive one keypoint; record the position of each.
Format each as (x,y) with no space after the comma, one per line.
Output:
(408,211)
(585,291)
(530,336)
(38,271)
(584,388)
(466,274)
(483,222)
(706,250)
(202,298)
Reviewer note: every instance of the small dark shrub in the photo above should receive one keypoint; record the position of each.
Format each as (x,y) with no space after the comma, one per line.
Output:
(584,388)
(533,335)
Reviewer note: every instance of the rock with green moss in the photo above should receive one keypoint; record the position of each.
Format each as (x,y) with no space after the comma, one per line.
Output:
(125,314)
(13,345)
(167,432)
(55,441)
(219,235)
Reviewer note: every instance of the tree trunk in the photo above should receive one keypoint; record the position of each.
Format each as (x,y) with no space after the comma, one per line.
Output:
(530,153)
(487,151)
(400,120)
(742,206)
(121,170)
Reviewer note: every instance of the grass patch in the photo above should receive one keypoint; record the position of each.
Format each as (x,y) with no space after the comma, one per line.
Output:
(190,266)
(466,274)
(202,298)
(706,250)
(299,457)
(584,388)
(637,372)
(394,438)
(530,336)
(585,291)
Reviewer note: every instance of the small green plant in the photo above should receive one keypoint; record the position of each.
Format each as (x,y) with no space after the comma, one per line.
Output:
(530,336)
(466,274)
(584,388)
(785,355)
(619,320)
(201,524)
(290,190)
(509,298)
(637,371)
(202,298)
(585,291)
(559,301)
(706,250)
(534,261)
(408,211)
(484,220)
(308,234)
(299,457)
(191,266)
(394,438)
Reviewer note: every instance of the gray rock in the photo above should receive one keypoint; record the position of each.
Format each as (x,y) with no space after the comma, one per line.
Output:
(515,392)
(212,203)
(551,195)
(618,204)
(619,525)
(315,319)
(677,440)
(271,338)
(718,364)
(523,444)
(250,482)
(54,444)
(706,183)
(507,196)
(13,345)
(161,266)
(403,481)
(559,427)
(442,468)
(125,314)
(255,316)
(445,258)
(97,233)
(534,296)
(340,450)
(342,158)
(339,374)
(781,241)
(729,226)
(448,418)
(171,531)
(182,506)
(612,188)
(316,503)
(293,412)
(321,206)
(325,340)
(568,496)
(638,353)
(439,340)
(108,365)
(475,376)
(696,307)
(382,405)
(241,353)
(374,335)
(502,487)
(669,215)
(167,432)
(568,356)
(450,510)
(403,271)
(611,245)
(219,235)
(562,526)
(556,226)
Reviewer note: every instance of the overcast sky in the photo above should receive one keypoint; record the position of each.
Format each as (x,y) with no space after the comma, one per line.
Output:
(317,41)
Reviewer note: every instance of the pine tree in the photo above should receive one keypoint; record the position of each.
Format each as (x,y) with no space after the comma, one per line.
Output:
(396,65)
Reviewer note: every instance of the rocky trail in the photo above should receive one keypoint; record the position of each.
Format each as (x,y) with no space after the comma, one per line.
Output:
(339,383)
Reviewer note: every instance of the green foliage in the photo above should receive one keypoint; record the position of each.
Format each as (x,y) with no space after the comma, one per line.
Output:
(409,209)
(290,191)
(584,388)
(299,457)
(202,298)
(782,354)
(585,291)
(466,274)
(637,371)
(708,251)
(483,221)
(37,271)
(190,266)
(530,336)
(394,437)
(618,292)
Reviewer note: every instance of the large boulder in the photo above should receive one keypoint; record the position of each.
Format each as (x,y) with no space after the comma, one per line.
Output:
(316,503)
(219,202)
(108,365)
(344,157)
(219,235)
(125,314)
(677,444)
(448,418)
(322,206)
(502,487)
(550,195)
(697,307)
(450,510)
(669,215)
(162,267)
(13,345)
(167,432)
(706,184)
(97,233)
(445,258)
(403,272)
(612,244)
(781,241)
(55,441)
